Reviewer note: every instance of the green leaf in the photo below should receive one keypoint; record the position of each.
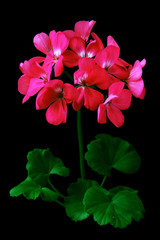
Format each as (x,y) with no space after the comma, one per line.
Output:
(59,168)
(107,152)
(41,164)
(48,195)
(119,206)
(28,188)
(74,202)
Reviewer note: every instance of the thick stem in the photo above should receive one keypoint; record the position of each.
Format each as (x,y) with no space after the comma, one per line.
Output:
(80,140)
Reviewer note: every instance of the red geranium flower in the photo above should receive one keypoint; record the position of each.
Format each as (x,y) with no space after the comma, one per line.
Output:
(118,99)
(89,74)
(33,79)
(53,46)
(55,95)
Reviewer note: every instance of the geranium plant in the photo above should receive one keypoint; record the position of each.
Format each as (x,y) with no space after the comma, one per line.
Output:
(102,82)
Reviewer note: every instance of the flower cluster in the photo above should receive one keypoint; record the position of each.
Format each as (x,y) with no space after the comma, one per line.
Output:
(102,82)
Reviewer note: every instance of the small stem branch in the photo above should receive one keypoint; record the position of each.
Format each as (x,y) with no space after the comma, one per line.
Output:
(80,140)
(103,181)
(56,190)
(60,203)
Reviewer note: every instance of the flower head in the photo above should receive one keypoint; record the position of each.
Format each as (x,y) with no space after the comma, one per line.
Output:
(88,75)
(118,99)
(55,96)
(33,79)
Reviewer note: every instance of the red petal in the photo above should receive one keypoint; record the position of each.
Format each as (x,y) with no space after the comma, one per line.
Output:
(23,84)
(69,34)
(59,43)
(92,98)
(77,44)
(107,57)
(94,46)
(57,112)
(49,94)
(42,42)
(35,85)
(102,114)
(86,64)
(83,29)
(58,68)
(115,115)
(98,40)
(70,59)
(69,92)
(123,101)
(78,101)
(116,88)
(119,71)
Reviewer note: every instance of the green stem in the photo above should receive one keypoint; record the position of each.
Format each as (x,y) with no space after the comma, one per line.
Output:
(80,140)
(103,181)
(56,190)
(60,203)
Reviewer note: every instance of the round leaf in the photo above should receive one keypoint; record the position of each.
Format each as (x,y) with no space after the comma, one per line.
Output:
(107,152)
(41,164)
(74,201)
(115,207)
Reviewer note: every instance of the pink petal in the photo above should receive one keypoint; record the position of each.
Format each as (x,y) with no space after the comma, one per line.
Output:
(107,57)
(92,98)
(115,115)
(116,88)
(32,68)
(69,92)
(123,101)
(57,112)
(42,42)
(23,84)
(102,114)
(111,42)
(35,85)
(83,29)
(112,56)
(78,100)
(59,43)
(101,58)
(137,88)
(70,59)
(69,34)
(136,71)
(142,95)
(48,63)
(143,62)
(77,44)
(25,99)
(58,68)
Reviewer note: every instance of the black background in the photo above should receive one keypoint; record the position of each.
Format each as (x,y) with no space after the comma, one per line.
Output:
(134,26)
